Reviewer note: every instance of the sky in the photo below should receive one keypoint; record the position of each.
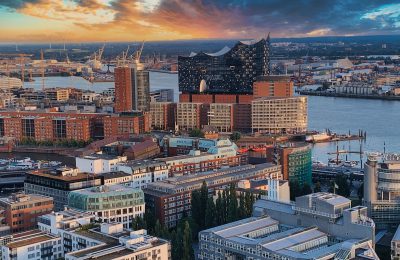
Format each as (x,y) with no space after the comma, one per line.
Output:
(152,20)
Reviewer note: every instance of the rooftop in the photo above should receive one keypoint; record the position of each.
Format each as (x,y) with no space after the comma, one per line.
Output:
(17,198)
(30,239)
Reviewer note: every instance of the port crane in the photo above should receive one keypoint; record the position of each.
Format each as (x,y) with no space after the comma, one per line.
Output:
(22,59)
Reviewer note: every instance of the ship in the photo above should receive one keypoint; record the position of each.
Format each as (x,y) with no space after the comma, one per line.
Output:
(316,138)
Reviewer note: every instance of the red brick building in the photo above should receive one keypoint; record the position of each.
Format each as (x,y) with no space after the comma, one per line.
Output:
(20,211)
(123,89)
(126,124)
(273,86)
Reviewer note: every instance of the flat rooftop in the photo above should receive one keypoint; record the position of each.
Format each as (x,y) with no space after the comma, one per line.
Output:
(29,239)
(52,174)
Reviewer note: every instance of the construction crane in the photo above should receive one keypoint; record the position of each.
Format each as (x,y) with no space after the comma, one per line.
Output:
(138,53)
(22,59)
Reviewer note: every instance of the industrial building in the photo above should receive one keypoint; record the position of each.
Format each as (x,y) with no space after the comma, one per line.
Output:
(316,226)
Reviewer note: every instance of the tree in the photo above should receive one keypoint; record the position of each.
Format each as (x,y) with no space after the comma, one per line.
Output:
(138,223)
(219,212)
(343,186)
(295,190)
(306,189)
(196,133)
(235,136)
(197,209)
(187,249)
(209,220)
(242,207)
(232,204)
(317,187)
(248,204)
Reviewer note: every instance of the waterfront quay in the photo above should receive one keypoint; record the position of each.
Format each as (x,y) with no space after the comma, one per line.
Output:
(347,95)
(324,173)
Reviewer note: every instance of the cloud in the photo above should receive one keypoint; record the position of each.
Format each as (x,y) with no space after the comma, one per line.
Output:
(181,19)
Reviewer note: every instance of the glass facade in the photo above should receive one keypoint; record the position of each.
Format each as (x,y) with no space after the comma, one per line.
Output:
(227,71)
(93,199)
(60,128)
(300,167)
(28,127)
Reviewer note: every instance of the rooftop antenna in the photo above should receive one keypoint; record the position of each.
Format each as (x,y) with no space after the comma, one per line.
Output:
(50,45)
(64,46)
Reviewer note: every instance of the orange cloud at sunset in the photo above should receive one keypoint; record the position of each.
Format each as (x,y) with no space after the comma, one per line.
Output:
(132,20)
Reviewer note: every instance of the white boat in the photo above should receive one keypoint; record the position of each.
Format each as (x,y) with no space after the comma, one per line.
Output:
(321,137)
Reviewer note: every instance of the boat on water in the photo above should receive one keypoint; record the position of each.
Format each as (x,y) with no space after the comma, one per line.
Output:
(316,138)
(26,164)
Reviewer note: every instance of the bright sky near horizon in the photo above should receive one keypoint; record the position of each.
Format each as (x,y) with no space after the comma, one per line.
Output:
(133,20)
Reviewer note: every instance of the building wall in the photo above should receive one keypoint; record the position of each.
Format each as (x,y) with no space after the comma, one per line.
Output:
(279,115)
(123,89)
(273,86)
(221,117)
(163,115)
(79,129)
(188,116)
(22,216)
(126,125)
(296,163)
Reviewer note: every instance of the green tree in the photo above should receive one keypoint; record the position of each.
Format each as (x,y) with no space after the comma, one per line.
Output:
(196,133)
(232,204)
(219,214)
(343,186)
(295,190)
(242,207)
(235,136)
(197,209)
(248,204)
(317,187)
(224,206)
(210,216)
(138,223)
(187,249)
(306,189)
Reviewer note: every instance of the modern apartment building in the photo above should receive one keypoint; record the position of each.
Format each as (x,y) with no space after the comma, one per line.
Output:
(110,203)
(382,189)
(21,211)
(104,241)
(296,162)
(132,89)
(275,115)
(33,244)
(170,199)
(143,172)
(221,116)
(60,182)
(163,115)
(189,116)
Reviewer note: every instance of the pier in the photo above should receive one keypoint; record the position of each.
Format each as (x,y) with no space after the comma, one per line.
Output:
(347,95)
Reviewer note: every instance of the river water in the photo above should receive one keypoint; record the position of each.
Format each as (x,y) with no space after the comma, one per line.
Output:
(379,118)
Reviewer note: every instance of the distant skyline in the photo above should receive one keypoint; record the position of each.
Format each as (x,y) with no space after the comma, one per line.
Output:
(152,20)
